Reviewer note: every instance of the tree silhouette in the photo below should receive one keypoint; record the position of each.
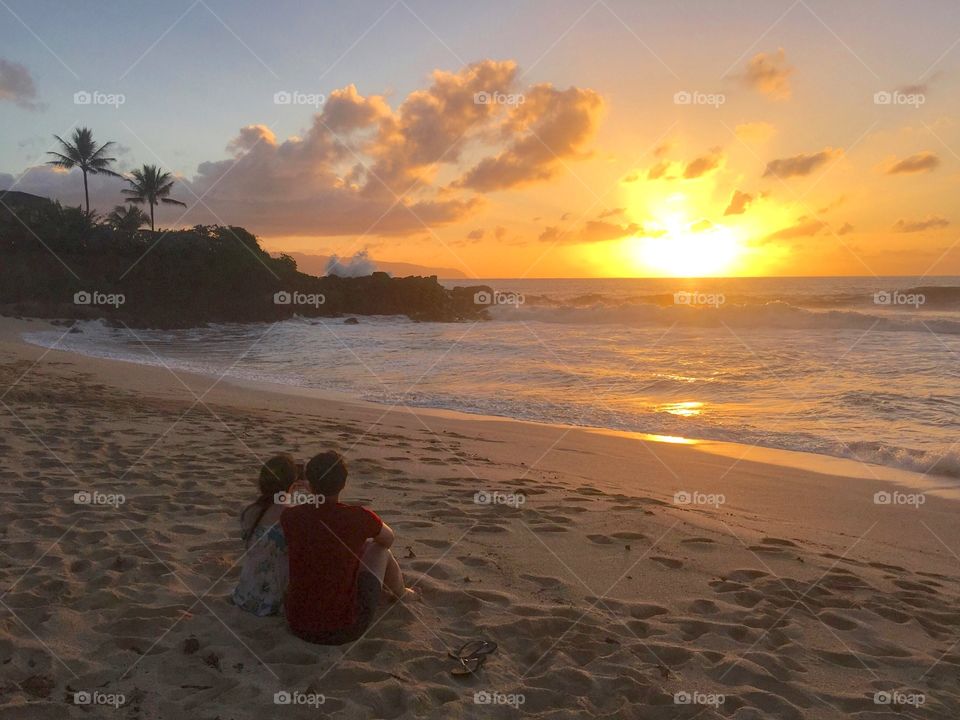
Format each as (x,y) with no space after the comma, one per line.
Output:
(150,185)
(126,219)
(83,153)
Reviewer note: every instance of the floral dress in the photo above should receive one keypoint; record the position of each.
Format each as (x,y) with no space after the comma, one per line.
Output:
(265,572)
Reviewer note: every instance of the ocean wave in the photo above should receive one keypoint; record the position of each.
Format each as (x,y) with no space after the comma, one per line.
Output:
(775,314)
(920,461)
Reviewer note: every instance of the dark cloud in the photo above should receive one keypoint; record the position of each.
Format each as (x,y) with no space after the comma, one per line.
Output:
(769,73)
(738,203)
(803,164)
(805,227)
(698,167)
(16,85)
(659,170)
(593,231)
(549,127)
(918,163)
(611,213)
(912,226)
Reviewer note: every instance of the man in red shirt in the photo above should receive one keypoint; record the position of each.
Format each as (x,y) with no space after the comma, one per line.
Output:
(339,559)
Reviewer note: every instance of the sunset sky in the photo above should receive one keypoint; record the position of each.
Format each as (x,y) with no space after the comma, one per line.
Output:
(556,138)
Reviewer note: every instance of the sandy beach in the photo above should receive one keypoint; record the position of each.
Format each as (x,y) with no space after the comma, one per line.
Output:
(621,576)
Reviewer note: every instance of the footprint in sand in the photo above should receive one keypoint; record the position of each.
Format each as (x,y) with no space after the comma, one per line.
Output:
(837,621)
(671,563)
(700,543)
(778,542)
(544,581)
(769,549)
(588,491)
(628,536)
(489,528)
(551,528)
(474,561)
(439,544)
(704,607)
(439,570)
(600,539)
(743,576)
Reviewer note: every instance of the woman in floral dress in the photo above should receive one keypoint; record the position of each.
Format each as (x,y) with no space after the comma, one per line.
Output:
(265,571)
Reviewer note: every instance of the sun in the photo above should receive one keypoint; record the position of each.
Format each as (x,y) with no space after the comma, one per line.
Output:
(673,245)
(714,251)
(675,239)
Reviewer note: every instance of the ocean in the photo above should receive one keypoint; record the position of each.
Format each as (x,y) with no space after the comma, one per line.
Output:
(863,368)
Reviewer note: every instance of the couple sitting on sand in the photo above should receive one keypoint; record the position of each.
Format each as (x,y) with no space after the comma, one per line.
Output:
(321,561)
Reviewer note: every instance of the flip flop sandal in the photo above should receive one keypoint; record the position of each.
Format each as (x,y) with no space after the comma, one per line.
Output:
(473,648)
(472,655)
(468,666)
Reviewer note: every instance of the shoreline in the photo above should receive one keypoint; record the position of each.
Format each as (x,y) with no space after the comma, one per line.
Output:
(11,330)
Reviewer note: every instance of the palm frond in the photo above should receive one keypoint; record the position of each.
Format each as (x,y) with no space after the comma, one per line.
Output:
(61,160)
(102,149)
(103,171)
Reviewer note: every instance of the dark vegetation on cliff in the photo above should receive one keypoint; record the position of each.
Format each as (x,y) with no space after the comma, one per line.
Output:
(59,262)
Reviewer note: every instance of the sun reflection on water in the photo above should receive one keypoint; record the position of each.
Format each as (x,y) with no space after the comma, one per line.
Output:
(689,408)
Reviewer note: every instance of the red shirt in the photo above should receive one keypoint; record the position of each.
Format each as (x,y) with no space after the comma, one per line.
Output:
(324,544)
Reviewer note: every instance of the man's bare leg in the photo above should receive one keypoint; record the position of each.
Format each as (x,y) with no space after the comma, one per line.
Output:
(380,562)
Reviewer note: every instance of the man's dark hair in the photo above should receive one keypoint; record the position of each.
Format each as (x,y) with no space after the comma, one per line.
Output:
(327,473)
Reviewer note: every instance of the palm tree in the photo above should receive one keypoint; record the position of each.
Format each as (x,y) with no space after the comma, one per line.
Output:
(126,219)
(150,185)
(84,154)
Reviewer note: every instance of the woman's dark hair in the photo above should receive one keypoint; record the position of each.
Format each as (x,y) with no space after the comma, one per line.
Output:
(276,476)
(327,473)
